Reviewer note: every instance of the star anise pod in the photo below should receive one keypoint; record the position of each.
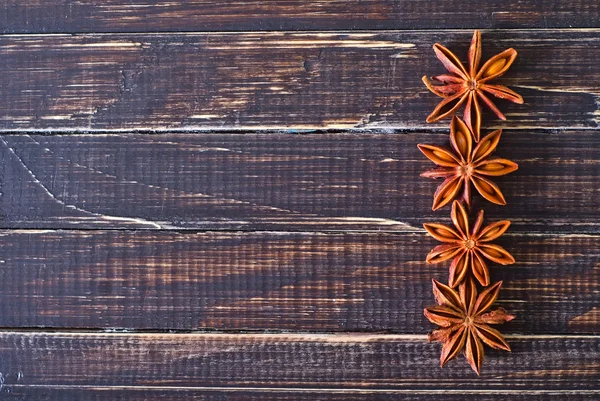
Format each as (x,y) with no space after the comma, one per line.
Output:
(465,323)
(466,165)
(469,86)
(468,246)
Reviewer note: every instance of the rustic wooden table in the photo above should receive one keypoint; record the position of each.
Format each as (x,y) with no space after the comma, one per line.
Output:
(220,200)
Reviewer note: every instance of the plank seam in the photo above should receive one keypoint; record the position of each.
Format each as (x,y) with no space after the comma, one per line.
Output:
(303,389)
(186,231)
(300,32)
(317,129)
(289,336)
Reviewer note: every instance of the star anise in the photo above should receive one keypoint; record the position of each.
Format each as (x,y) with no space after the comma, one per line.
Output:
(464,323)
(466,165)
(468,246)
(469,86)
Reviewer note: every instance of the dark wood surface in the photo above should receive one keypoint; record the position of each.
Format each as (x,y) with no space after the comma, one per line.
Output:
(283,182)
(220,200)
(349,364)
(52,16)
(277,281)
(136,393)
(280,80)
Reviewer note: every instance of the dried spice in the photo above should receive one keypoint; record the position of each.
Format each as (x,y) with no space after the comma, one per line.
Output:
(465,323)
(470,86)
(469,246)
(464,166)
(463,315)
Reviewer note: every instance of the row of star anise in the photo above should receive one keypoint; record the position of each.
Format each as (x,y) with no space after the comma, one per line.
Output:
(462,310)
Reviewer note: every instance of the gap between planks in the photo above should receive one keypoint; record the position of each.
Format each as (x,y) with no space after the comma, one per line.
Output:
(269,130)
(353,32)
(322,337)
(326,390)
(186,231)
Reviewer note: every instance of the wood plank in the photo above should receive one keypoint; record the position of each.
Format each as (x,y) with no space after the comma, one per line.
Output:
(282,182)
(98,393)
(27,16)
(275,80)
(351,364)
(277,281)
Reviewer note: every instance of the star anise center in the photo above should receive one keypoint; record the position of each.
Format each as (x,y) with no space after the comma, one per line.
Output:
(472,84)
(470,243)
(465,170)
(468,321)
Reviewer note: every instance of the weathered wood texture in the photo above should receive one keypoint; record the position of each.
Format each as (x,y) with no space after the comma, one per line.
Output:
(26,16)
(346,365)
(281,182)
(104,393)
(279,80)
(164,275)
(277,281)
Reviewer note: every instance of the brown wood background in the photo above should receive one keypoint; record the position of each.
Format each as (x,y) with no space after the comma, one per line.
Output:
(220,200)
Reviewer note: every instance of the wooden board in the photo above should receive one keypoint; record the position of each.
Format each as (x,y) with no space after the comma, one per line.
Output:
(281,182)
(176,237)
(277,281)
(279,80)
(296,364)
(97,393)
(51,16)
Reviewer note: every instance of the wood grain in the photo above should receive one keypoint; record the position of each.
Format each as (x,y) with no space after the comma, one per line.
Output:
(282,182)
(307,281)
(344,364)
(277,281)
(103,393)
(27,16)
(279,80)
